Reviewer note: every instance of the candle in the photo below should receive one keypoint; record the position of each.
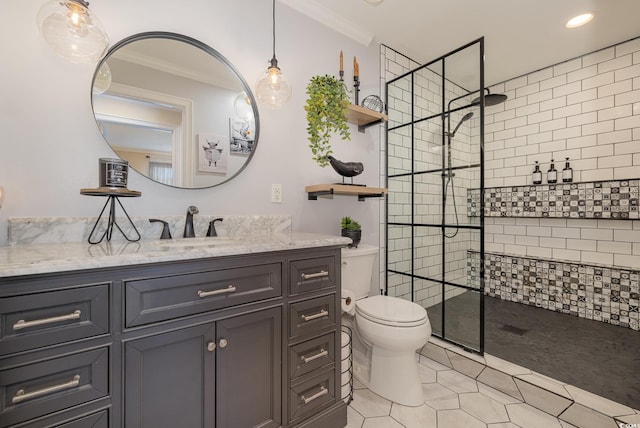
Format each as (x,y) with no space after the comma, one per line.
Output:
(341,65)
(356,70)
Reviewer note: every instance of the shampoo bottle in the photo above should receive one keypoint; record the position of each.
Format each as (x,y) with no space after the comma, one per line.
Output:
(537,174)
(567,172)
(552,174)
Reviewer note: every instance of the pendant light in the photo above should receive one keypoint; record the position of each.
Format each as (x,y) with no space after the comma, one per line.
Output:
(272,89)
(72,31)
(102,79)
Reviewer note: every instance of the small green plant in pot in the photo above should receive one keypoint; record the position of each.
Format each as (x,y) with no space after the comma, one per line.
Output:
(327,108)
(351,229)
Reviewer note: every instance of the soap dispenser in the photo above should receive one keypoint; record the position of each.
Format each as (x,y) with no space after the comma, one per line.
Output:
(567,172)
(552,174)
(537,174)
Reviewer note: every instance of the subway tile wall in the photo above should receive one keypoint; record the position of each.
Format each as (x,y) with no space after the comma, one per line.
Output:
(587,109)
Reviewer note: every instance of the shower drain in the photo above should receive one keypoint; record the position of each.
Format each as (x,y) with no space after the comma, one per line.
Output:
(513,329)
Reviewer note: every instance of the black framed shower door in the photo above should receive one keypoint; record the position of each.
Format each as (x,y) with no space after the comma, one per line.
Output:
(435,157)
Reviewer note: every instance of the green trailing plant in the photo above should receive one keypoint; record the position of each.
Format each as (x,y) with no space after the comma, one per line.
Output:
(348,223)
(327,108)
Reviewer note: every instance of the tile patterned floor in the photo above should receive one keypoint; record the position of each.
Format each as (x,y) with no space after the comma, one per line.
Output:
(452,400)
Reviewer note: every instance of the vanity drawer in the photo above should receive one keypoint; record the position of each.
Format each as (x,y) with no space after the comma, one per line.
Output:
(42,319)
(312,274)
(96,420)
(49,386)
(310,316)
(311,393)
(156,299)
(310,355)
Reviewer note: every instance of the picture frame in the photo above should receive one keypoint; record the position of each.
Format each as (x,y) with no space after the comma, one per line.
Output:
(213,153)
(241,136)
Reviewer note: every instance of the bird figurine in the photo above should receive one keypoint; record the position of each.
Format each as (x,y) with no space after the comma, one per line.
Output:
(346,169)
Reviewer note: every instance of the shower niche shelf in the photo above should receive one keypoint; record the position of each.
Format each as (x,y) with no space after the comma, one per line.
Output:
(609,199)
(364,117)
(328,190)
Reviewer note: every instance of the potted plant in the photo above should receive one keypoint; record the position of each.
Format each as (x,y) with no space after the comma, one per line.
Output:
(327,108)
(351,229)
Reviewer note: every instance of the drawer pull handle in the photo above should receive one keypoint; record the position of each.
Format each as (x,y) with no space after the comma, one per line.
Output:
(323,391)
(323,353)
(21,396)
(26,324)
(229,289)
(321,274)
(321,314)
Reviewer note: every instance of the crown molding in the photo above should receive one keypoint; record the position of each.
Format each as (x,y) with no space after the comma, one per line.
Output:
(321,14)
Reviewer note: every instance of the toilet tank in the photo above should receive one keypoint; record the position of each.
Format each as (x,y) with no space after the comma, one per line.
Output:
(357,268)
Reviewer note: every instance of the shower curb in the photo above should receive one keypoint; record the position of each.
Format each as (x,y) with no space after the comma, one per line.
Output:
(575,406)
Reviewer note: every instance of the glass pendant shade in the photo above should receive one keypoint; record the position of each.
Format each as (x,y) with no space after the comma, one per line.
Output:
(242,106)
(272,89)
(102,80)
(72,31)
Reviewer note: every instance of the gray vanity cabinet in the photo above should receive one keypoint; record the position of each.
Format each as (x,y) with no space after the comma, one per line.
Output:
(221,374)
(237,341)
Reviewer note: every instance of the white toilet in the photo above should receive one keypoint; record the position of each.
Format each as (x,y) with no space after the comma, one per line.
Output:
(392,329)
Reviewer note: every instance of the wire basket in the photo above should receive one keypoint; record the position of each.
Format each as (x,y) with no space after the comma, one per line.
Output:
(346,365)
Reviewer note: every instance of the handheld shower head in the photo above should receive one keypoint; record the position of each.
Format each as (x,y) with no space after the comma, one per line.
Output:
(464,119)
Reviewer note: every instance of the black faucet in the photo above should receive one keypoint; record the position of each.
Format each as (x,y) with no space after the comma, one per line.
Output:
(188,224)
(212,227)
(166,232)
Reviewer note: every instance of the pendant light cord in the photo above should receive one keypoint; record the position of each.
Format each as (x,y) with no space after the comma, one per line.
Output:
(273,11)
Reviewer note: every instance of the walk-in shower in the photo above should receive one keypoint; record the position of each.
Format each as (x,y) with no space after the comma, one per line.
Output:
(434,155)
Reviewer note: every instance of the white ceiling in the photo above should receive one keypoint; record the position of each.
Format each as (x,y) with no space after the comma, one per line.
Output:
(520,35)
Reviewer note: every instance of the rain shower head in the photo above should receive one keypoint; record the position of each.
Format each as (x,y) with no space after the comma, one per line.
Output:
(491,99)
(464,119)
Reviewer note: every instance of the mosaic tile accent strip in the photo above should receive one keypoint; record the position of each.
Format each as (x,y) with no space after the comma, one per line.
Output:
(597,199)
(605,294)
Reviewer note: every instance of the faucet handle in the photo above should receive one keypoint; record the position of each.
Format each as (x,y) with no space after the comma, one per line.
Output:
(166,233)
(212,227)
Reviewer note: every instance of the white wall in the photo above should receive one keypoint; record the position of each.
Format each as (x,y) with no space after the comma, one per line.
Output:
(50,144)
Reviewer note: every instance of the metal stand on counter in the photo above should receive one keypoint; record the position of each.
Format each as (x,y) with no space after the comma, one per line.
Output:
(113,195)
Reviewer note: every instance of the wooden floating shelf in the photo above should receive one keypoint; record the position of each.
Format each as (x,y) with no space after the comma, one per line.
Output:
(364,117)
(328,190)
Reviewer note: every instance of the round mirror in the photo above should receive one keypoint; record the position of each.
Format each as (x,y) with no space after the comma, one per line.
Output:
(175,109)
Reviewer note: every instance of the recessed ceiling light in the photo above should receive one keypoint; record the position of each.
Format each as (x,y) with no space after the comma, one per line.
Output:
(579,20)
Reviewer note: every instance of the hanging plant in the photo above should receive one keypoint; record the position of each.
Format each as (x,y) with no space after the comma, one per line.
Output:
(327,108)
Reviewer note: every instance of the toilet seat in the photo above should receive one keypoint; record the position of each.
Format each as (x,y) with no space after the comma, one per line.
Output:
(391,311)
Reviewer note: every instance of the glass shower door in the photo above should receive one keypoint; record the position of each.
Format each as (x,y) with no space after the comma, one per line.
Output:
(434,166)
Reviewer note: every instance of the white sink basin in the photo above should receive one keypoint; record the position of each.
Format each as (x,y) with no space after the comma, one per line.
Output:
(214,241)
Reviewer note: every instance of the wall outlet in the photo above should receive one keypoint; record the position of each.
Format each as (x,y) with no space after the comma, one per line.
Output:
(276,193)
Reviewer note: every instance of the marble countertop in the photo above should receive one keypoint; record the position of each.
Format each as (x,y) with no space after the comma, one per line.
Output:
(16,260)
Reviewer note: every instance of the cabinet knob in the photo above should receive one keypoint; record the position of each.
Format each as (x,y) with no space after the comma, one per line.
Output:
(223,343)
(211,346)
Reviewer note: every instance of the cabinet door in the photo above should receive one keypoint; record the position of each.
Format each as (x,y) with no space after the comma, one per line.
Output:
(170,379)
(249,358)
